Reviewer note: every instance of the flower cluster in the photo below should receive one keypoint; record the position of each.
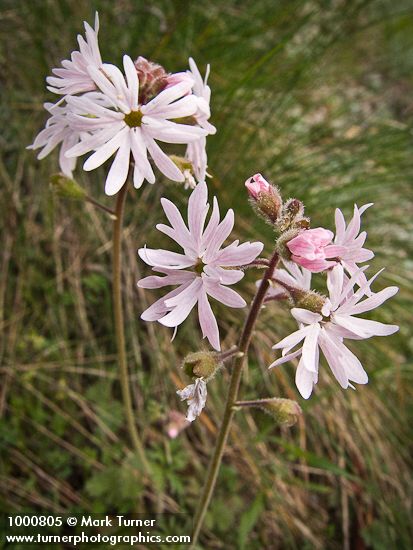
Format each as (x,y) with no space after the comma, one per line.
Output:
(325,322)
(107,112)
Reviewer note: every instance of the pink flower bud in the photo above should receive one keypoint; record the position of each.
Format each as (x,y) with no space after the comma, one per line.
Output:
(313,250)
(265,198)
(256,185)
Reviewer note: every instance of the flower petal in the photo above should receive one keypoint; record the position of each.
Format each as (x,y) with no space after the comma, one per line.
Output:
(208,321)
(164,258)
(304,380)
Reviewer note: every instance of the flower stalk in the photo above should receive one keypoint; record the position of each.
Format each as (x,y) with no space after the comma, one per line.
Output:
(232,397)
(120,327)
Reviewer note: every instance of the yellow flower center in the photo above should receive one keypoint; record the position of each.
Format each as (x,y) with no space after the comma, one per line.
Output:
(134,119)
(199,266)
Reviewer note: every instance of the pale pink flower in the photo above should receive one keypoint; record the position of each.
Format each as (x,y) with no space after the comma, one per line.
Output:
(196,150)
(131,128)
(196,395)
(256,185)
(57,131)
(209,263)
(313,249)
(327,330)
(74,76)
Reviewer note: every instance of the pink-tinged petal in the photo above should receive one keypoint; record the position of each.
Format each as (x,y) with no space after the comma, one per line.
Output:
(138,177)
(162,161)
(138,149)
(305,316)
(341,332)
(187,295)
(362,255)
(300,245)
(105,85)
(132,80)
(208,322)
(168,96)
(353,367)
(374,301)
(320,235)
(310,347)
(176,221)
(158,309)
(333,357)
(334,251)
(340,226)
(182,304)
(220,234)
(67,165)
(106,151)
(362,209)
(223,294)
(243,254)
(212,224)
(315,266)
(171,132)
(364,327)
(285,358)
(354,279)
(304,380)
(184,107)
(293,339)
(119,170)
(335,280)
(165,258)
(224,276)
(95,141)
(172,278)
(197,211)
(354,226)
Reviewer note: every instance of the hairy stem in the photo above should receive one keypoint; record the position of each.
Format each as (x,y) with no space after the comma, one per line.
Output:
(120,328)
(239,362)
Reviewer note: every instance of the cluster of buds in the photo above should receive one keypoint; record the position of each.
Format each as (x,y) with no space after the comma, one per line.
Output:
(267,202)
(152,79)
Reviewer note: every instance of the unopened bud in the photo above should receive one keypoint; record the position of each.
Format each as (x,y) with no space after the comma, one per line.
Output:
(201,364)
(310,300)
(292,216)
(285,411)
(152,79)
(66,187)
(265,198)
(293,208)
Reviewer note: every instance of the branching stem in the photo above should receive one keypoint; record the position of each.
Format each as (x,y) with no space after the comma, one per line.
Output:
(238,364)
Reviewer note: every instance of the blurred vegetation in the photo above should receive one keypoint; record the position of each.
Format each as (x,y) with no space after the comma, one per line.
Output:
(316,95)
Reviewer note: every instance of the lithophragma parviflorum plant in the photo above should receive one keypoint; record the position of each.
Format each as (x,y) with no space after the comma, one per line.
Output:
(105,111)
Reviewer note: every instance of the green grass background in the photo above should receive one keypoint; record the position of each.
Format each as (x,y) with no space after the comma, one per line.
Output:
(318,96)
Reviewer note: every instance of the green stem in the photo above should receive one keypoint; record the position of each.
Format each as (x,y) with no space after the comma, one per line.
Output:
(239,362)
(120,328)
